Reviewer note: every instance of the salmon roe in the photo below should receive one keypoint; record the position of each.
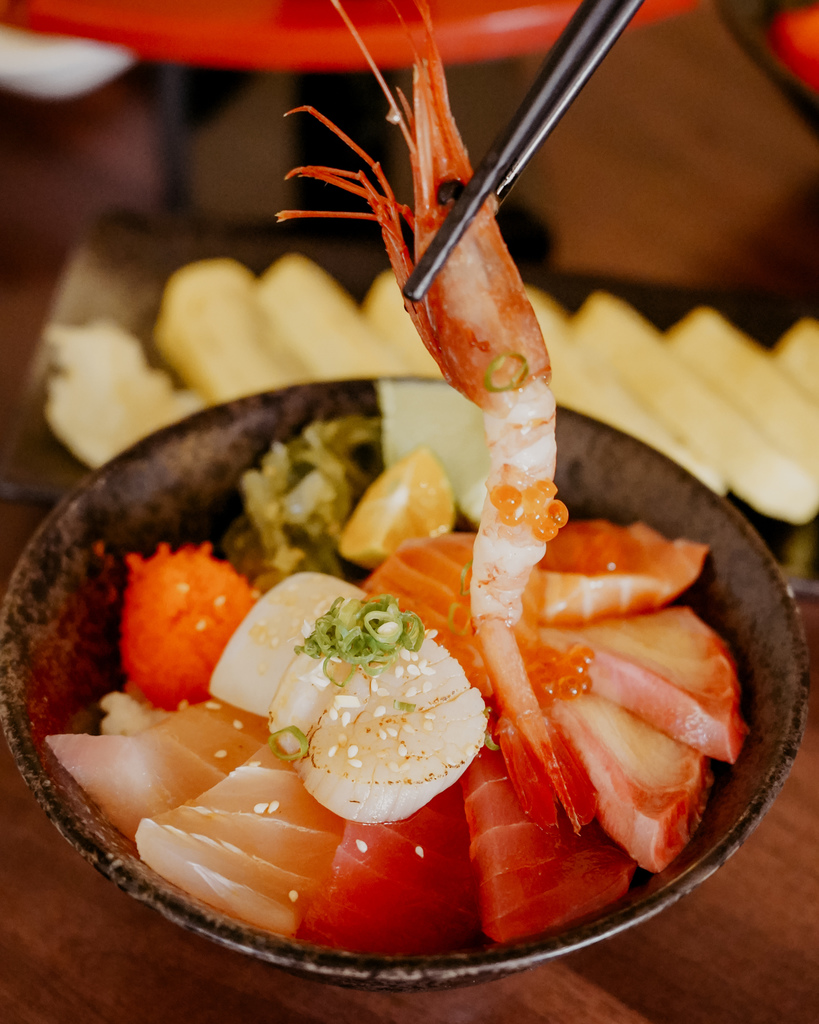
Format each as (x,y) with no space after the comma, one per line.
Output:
(534,505)
(561,675)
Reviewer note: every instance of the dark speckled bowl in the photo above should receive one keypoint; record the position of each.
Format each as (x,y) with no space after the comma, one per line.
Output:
(59,627)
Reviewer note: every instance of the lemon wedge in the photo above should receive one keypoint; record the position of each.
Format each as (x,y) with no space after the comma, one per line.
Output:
(413,498)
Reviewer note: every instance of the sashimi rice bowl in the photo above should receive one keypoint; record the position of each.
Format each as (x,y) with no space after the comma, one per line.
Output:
(454,874)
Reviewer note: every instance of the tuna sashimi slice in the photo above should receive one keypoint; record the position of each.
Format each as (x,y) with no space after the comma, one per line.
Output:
(404,887)
(594,569)
(651,790)
(671,670)
(531,879)
(256,846)
(134,777)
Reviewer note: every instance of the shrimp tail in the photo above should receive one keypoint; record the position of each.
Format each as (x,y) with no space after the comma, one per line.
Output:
(539,762)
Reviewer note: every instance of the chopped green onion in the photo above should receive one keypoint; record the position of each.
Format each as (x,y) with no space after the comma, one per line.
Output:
(280,752)
(399,705)
(497,364)
(489,742)
(450,620)
(464,587)
(365,634)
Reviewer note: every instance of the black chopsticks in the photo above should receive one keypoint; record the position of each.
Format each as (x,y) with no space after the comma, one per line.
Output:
(592,31)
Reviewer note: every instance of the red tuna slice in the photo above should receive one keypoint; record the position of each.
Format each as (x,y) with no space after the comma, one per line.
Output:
(256,846)
(430,577)
(133,777)
(671,670)
(531,879)
(404,887)
(651,790)
(593,569)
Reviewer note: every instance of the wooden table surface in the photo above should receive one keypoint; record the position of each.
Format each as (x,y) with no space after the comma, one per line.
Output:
(680,164)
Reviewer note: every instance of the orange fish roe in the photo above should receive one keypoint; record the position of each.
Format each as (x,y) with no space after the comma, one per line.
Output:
(180,609)
(560,675)
(534,505)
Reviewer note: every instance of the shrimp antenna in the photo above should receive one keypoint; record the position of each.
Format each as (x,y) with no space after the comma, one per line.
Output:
(395,115)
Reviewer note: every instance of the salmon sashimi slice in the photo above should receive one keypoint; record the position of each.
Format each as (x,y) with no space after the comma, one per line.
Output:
(256,846)
(404,887)
(594,569)
(134,777)
(651,790)
(430,577)
(671,670)
(531,879)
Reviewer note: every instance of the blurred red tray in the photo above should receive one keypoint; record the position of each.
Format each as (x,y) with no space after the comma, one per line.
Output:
(306,35)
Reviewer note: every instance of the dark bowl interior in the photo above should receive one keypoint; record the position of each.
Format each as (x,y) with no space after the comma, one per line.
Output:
(749,21)
(58,637)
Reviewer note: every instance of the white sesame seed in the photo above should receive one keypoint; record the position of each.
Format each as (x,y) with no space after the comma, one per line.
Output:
(413,670)
(412,691)
(361,845)
(430,715)
(393,766)
(431,634)
(428,726)
(332,751)
(219,601)
(391,731)
(423,663)
(427,671)
(419,850)
(293,895)
(381,734)
(413,656)
(379,711)
(213,705)
(426,687)
(402,749)
(399,671)
(404,654)
(260,808)
(253,764)
(342,739)
(355,763)
(274,806)
(200,625)
(352,750)
(333,714)
(407,728)
(383,691)
(388,629)
(346,718)
(220,753)
(183,587)
(238,724)
(374,687)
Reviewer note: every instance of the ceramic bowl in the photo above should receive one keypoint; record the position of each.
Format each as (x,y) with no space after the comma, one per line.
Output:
(749,22)
(59,629)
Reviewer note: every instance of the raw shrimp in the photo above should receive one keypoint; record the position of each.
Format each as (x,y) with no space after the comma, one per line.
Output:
(480,327)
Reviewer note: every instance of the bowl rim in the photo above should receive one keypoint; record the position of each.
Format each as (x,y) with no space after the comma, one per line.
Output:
(341,967)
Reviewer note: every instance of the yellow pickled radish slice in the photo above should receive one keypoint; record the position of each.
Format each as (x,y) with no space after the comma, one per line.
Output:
(413,498)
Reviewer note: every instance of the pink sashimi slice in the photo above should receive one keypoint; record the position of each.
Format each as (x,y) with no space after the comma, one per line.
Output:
(404,887)
(671,670)
(651,790)
(594,569)
(256,846)
(531,879)
(134,777)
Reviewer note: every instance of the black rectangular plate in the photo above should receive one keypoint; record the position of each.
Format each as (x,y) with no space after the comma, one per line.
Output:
(119,271)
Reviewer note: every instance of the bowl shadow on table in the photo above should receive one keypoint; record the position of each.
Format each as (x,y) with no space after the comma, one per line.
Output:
(58,654)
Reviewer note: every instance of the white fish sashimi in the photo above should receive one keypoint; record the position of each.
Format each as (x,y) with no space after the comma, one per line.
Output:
(257,655)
